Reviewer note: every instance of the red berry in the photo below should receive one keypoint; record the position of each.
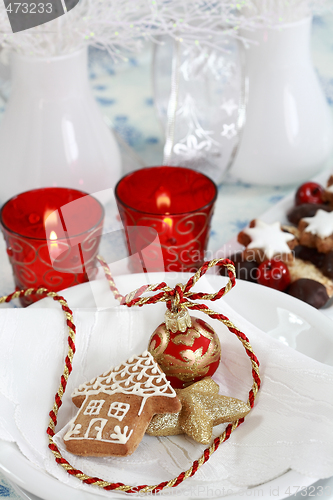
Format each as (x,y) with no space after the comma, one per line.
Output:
(309,192)
(274,273)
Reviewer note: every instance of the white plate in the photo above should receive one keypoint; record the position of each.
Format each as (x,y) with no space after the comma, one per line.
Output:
(280,315)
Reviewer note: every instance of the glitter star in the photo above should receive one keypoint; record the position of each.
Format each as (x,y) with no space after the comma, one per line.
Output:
(202,408)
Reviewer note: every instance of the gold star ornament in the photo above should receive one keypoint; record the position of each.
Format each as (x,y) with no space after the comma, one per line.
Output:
(202,408)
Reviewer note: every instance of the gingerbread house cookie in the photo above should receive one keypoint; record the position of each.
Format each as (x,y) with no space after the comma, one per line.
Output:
(264,241)
(317,231)
(116,408)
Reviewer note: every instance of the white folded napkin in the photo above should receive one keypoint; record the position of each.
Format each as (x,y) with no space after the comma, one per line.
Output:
(290,426)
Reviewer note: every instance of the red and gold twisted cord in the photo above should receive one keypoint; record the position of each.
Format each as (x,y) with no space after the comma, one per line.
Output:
(166,293)
(181,295)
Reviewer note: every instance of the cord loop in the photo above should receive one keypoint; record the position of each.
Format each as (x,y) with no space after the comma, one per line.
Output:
(177,297)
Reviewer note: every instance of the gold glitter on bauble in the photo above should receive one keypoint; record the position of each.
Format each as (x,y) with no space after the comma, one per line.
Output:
(202,408)
(186,348)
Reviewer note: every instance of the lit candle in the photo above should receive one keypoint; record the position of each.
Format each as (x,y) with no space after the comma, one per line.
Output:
(163,203)
(53,246)
(163,200)
(47,228)
(178,203)
(169,238)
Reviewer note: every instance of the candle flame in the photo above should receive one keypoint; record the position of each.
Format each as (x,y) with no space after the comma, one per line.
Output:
(163,201)
(51,216)
(54,249)
(168,221)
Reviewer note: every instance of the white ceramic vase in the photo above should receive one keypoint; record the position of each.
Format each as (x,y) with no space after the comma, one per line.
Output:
(288,135)
(52,132)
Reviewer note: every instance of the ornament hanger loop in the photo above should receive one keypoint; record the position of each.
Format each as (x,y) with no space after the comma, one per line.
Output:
(177,298)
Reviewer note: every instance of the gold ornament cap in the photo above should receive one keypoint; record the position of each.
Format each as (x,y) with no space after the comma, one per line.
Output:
(178,321)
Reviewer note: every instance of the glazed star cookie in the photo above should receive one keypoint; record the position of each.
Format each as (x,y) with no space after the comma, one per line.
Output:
(317,231)
(116,408)
(308,257)
(307,275)
(266,241)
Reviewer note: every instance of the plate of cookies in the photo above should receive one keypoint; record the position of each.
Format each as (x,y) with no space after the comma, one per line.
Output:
(283,318)
(290,247)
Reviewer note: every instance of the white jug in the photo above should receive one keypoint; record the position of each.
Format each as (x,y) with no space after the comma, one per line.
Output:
(288,134)
(52,132)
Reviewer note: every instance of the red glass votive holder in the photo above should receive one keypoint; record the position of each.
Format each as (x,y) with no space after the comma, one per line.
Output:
(175,202)
(52,237)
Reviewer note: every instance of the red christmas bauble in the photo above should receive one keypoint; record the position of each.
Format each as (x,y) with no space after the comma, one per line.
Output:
(188,356)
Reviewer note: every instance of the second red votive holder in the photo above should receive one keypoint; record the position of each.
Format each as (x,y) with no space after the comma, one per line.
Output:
(166,212)
(52,236)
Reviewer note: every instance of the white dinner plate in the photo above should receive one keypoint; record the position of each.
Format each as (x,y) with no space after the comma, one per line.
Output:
(282,316)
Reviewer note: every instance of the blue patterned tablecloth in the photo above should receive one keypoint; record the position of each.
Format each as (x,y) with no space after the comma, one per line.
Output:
(124,92)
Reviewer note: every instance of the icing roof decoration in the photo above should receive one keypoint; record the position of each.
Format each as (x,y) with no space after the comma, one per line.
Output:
(139,375)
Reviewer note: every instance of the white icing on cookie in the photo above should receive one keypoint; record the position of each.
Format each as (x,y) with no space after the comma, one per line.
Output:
(121,436)
(269,237)
(73,430)
(94,432)
(140,375)
(320,224)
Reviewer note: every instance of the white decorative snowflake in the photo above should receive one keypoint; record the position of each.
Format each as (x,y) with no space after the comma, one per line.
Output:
(229,130)
(229,106)
(197,139)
